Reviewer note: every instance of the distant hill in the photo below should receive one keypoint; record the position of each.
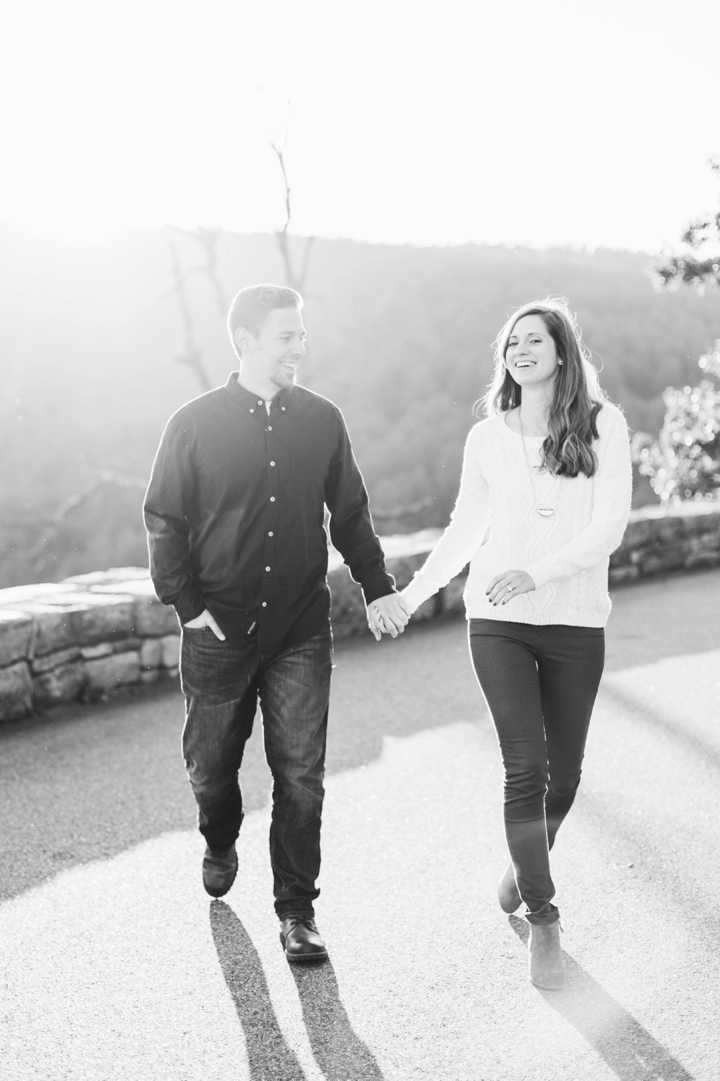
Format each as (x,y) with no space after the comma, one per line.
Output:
(399,337)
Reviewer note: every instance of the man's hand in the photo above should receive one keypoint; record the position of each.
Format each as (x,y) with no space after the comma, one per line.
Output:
(205,620)
(388,615)
(507,585)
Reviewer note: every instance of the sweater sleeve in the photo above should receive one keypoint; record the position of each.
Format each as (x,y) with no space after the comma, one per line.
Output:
(612,495)
(464,534)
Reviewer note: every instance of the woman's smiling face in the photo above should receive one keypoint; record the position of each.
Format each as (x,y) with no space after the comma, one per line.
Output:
(530,355)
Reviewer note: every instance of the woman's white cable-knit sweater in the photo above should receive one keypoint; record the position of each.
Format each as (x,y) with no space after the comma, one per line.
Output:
(496,526)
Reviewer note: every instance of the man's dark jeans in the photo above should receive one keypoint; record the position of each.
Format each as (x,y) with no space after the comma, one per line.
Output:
(222,684)
(540,684)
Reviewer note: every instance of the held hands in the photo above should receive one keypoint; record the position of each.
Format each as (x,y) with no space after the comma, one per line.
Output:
(507,585)
(205,620)
(388,615)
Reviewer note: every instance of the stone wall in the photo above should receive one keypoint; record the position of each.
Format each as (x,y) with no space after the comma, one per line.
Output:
(95,633)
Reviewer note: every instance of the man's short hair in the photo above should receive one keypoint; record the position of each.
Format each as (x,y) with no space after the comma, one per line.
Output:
(252,305)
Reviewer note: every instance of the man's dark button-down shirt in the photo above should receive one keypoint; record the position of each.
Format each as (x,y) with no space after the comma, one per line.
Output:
(235,509)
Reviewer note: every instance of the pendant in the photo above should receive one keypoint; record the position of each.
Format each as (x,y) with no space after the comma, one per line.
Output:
(546,511)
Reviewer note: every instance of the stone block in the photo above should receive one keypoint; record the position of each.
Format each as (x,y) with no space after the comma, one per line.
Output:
(348,605)
(150,653)
(36,592)
(170,651)
(620,575)
(80,620)
(126,645)
(102,649)
(151,618)
(112,577)
(62,684)
(703,558)
(101,617)
(54,660)
(663,558)
(698,524)
(452,601)
(109,673)
(150,675)
(669,529)
(15,636)
(639,532)
(621,557)
(54,628)
(15,691)
(403,568)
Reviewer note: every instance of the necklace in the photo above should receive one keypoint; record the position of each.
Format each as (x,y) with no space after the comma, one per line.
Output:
(546,510)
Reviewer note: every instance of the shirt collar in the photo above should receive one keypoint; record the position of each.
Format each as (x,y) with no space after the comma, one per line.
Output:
(251,401)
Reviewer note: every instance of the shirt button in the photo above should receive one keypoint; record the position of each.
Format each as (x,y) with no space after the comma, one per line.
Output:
(283,408)
(272,463)
(264,604)
(252,410)
(272,498)
(270,533)
(267,568)
(269,427)
(259,402)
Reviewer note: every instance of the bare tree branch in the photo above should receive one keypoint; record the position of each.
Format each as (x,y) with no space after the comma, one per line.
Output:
(208,239)
(295,281)
(49,526)
(193,354)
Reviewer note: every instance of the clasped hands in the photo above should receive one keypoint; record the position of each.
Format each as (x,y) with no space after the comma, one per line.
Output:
(388,615)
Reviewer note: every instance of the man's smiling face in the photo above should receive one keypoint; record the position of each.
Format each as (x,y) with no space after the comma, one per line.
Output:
(272,355)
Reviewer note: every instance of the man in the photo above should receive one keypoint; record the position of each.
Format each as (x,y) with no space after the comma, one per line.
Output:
(234,513)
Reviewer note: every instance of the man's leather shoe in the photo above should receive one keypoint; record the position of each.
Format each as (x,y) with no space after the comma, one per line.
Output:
(300,939)
(219,870)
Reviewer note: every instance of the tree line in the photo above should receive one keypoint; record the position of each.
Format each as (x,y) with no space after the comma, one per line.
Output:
(93,340)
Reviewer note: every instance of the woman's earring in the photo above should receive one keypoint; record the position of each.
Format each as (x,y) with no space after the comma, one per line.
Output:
(559,362)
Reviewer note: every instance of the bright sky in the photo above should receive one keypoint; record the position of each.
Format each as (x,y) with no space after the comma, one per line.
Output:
(584,122)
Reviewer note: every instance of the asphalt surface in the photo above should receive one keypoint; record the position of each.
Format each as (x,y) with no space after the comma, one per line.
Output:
(114,964)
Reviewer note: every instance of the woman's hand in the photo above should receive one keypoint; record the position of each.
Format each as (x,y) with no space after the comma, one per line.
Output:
(388,615)
(507,585)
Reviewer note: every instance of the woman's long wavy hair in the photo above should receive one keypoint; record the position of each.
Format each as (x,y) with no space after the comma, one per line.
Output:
(577,397)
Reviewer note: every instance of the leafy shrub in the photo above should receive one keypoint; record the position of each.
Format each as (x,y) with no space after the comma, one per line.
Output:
(684,461)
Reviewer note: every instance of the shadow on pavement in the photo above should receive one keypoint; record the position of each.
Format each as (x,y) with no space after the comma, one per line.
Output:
(636,706)
(339,1052)
(269,1056)
(627,1048)
(663,617)
(341,1055)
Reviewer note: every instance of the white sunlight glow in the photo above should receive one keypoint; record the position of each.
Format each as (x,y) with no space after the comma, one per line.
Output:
(562,122)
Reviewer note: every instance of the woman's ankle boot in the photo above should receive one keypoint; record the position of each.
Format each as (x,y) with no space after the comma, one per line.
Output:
(508,895)
(546,965)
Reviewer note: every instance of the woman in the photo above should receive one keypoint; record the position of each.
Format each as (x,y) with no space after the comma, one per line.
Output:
(549,473)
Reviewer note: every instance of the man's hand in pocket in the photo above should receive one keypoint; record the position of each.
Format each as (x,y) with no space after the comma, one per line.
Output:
(205,620)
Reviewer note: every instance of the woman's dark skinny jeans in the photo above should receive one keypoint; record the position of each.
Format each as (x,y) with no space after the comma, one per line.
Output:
(540,685)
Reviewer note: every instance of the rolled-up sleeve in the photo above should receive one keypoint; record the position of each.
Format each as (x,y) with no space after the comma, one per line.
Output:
(351,527)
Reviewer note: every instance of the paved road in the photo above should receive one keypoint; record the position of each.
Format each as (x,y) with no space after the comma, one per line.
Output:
(114,964)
